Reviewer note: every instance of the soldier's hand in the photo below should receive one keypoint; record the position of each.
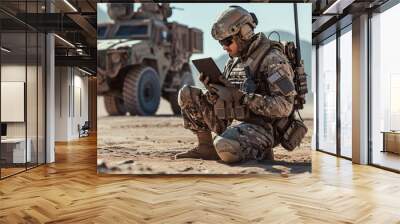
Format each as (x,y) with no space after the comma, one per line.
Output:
(225,81)
(228,94)
(206,82)
(204,79)
(223,93)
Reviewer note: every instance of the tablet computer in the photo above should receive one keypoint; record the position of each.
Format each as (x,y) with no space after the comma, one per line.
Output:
(208,67)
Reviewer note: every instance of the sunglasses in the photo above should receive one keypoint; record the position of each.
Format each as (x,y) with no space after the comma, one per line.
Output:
(227,41)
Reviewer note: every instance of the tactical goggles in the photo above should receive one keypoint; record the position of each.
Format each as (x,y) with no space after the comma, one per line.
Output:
(227,41)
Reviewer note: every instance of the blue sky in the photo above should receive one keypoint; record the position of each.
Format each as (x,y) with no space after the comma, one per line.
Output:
(270,16)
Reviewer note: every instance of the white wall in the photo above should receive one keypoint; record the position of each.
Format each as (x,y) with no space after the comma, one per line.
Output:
(71,102)
(33,126)
(62,81)
(50,96)
(360,90)
(14,73)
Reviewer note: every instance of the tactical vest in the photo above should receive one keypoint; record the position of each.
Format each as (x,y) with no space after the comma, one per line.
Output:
(245,76)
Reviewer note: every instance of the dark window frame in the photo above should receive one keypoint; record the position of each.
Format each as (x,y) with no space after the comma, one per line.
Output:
(337,34)
(386,6)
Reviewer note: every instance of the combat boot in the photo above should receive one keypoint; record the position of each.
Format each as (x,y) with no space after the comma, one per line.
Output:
(269,155)
(204,150)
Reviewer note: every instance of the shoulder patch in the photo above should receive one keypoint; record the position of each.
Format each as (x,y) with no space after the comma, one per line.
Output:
(282,82)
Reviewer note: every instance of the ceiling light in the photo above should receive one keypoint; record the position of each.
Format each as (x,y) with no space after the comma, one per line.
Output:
(86,72)
(70,5)
(64,40)
(337,7)
(5,50)
(79,51)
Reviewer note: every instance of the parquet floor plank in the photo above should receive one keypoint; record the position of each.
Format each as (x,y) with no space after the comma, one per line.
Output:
(71,191)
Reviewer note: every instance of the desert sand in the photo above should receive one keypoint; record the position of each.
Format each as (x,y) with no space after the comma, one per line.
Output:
(147,145)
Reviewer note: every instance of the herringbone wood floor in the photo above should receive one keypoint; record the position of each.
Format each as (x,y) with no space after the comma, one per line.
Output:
(70,191)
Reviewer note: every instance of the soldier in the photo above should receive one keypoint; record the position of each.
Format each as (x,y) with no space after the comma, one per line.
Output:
(258,76)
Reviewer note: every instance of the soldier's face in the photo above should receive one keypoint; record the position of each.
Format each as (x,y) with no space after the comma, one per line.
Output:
(232,49)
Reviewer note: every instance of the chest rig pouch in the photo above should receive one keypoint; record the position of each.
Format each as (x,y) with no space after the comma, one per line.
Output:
(239,77)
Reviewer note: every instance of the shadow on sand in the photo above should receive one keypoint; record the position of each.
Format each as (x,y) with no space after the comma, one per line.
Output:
(278,167)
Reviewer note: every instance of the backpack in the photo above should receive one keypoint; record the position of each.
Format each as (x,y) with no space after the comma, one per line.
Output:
(300,78)
(292,130)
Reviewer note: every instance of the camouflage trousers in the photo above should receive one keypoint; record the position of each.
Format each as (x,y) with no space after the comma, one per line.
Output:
(198,115)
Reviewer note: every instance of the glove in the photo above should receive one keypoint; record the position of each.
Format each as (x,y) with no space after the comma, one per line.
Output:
(210,94)
(228,94)
(206,81)
(223,93)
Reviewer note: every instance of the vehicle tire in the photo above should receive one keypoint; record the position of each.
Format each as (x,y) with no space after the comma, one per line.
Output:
(114,105)
(141,91)
(187,79)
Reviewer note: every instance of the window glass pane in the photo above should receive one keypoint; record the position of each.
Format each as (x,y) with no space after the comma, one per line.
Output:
(126,31)
(346,93)
(23,88)
(31,97)
(327,96)
(385,84)
(101,31)
(41,98)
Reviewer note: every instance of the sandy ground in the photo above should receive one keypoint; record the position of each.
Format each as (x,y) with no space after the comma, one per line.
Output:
(146,145)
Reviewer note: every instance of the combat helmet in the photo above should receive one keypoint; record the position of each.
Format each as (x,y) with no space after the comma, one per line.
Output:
(234,20)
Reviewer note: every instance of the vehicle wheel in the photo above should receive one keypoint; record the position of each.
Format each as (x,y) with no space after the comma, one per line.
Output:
(114,105)
(187,79)
(141,91)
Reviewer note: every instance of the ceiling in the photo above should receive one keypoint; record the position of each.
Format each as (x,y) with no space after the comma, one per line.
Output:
(331,15)
(74,22)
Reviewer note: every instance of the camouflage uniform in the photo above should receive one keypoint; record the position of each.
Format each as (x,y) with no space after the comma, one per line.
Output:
(269,103)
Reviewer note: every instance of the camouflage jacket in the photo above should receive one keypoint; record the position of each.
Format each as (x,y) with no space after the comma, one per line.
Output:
(265,63)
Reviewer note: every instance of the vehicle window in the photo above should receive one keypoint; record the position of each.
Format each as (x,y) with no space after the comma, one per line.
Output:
(126,30)
(101,31)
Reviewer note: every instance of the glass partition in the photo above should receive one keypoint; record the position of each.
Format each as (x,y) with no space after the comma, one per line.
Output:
(22,88)
(41,97)
(31,97)
(13,95)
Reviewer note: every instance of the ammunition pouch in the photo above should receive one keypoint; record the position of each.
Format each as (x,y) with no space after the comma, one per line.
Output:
(293,135)
(230,110)
(300,81)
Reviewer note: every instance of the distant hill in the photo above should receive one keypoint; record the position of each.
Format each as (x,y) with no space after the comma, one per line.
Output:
(102,16)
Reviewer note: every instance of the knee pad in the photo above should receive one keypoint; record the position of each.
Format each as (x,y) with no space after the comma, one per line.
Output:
(187,94)
(228,150)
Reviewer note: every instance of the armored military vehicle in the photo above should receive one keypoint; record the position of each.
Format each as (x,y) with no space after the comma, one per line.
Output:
(142,57)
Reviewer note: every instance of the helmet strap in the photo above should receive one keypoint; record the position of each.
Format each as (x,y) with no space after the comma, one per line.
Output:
(243,44)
